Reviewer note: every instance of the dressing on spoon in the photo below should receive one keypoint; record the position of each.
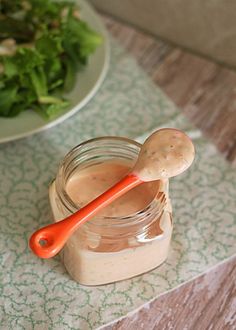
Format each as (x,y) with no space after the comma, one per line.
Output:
(166,153)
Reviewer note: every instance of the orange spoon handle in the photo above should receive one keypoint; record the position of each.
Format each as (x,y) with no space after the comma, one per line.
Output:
(48,241)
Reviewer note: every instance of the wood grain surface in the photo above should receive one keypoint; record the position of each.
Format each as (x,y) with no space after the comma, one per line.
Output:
(209,302)
(206,93)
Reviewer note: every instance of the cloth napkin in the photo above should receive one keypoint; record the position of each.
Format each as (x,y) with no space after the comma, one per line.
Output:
(39,294)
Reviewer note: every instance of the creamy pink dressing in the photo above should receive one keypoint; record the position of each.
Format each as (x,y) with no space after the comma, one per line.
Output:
(166,153)
(104,254)
(86,184)
(97,255)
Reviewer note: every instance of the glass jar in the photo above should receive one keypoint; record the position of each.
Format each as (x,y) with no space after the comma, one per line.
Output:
(110,248)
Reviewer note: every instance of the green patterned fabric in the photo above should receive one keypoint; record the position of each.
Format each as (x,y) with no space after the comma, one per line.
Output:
(39,294)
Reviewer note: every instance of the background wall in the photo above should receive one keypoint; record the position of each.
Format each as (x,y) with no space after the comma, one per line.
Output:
(204,26)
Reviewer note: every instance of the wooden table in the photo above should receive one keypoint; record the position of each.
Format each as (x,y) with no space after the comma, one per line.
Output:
(206,93)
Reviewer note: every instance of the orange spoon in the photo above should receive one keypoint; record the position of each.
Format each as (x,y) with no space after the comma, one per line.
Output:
(48,241)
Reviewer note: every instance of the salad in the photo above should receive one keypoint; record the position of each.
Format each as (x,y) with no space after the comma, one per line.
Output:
(43,44)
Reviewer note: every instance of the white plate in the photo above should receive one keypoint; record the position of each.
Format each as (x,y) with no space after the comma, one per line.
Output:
(87,84)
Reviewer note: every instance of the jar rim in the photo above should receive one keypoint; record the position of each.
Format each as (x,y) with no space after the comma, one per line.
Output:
(119,220)
(103,138)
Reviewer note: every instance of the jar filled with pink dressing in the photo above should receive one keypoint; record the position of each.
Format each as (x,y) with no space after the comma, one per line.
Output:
(131,235)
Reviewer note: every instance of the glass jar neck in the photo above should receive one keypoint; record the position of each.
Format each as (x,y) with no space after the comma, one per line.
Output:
(97,151)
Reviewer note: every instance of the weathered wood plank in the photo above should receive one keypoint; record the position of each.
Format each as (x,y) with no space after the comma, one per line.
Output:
(209,302)
(204,91)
